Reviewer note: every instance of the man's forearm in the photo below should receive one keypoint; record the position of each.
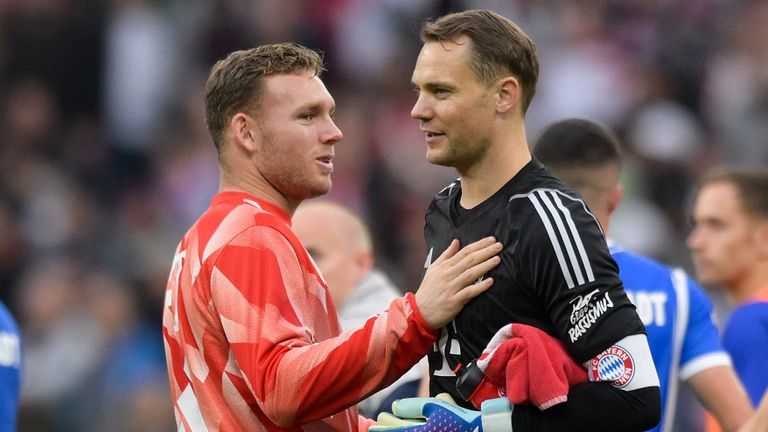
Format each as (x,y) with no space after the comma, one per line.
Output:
(595,407)
(721,392)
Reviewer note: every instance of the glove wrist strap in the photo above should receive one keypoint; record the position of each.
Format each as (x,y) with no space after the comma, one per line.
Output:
(497,415)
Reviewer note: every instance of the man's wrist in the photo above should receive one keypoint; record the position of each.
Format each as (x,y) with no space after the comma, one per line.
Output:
(421,323)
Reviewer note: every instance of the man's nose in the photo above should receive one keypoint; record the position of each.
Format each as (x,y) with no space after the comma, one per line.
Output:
(332,134)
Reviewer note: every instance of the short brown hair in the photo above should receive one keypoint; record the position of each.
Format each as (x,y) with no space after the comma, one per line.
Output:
(575,149)
(751,184)
(235,83)
(499,47)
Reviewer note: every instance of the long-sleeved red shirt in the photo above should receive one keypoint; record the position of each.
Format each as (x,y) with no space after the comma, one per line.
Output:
(252,339)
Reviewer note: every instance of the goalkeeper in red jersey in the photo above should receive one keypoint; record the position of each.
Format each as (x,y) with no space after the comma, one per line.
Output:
(252,338)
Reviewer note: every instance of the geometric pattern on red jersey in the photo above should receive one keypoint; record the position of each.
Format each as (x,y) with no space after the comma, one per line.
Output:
(252,338)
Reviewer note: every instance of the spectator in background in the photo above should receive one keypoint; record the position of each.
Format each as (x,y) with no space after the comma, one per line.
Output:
(131,362)
(140,65)
(675,310)
(340,244)
(62,342)
(729,245)
(10,370)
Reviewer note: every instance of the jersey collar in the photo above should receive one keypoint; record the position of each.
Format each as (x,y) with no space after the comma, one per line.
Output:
(761,295)
(238,197)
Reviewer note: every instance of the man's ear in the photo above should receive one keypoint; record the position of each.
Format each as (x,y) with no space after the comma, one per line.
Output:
(614,198)
(508,95)
(242,129)
(364,261)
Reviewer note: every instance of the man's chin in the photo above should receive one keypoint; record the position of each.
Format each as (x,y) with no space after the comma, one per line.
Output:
(320,190)
(707,278)
(438,159)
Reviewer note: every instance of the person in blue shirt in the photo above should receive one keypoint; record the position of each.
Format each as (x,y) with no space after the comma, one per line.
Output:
(729,245)
(10,370)
(676,312)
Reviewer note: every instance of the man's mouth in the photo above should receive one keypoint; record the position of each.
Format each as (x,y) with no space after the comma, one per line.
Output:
(326,161)
(432,136)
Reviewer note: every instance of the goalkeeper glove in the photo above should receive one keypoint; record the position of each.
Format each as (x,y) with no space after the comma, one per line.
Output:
(441,414)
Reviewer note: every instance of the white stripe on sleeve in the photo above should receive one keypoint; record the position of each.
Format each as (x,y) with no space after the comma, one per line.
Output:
(556,216)
(553,240)
(568,246)
(576,238)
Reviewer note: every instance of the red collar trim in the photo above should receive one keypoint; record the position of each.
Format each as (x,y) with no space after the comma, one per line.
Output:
(237,196)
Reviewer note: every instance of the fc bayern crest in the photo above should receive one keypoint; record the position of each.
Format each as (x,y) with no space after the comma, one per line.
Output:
(614,365)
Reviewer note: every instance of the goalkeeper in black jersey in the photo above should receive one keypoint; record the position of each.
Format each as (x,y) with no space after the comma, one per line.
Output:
(475,77)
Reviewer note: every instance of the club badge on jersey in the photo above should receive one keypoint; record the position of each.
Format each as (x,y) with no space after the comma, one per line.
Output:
(615,365)
(618,364)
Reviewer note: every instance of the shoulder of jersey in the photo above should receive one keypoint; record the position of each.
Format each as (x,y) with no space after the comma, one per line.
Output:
(249,212)
(449,190)
(443,196)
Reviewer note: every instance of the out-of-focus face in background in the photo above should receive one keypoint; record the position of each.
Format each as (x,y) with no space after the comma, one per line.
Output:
(338,243)
(723,242)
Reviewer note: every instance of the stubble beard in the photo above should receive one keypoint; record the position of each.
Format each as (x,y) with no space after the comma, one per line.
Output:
(459,155)
(301,184)
(446,156)
(289,176)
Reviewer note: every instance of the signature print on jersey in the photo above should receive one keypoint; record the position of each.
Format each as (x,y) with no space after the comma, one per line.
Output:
(586,312)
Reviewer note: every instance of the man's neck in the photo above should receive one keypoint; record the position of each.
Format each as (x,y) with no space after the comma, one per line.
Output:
(259,188)
(749,285)
(506,155)
(500,164)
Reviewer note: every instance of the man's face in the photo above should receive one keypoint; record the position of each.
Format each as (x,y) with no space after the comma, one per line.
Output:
(455,110)
(297,136)
(723,242)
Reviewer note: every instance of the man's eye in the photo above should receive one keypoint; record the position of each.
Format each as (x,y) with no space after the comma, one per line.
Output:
(307,116)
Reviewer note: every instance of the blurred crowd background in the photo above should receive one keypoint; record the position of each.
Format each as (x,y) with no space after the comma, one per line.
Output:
(105,159)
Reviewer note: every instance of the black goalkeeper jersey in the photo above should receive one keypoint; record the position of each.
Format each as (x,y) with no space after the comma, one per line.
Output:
(556,272)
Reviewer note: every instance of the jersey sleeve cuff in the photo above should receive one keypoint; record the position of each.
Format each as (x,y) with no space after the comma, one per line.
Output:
(703,362)
(418,318)
(364,423)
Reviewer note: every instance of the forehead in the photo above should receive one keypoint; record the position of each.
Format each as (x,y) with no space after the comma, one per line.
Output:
(295,90)
(719,198)
(330,220)
(319,230)
(439,60)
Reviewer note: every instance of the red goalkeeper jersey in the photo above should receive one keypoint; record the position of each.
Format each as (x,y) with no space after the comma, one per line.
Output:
(252,339)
